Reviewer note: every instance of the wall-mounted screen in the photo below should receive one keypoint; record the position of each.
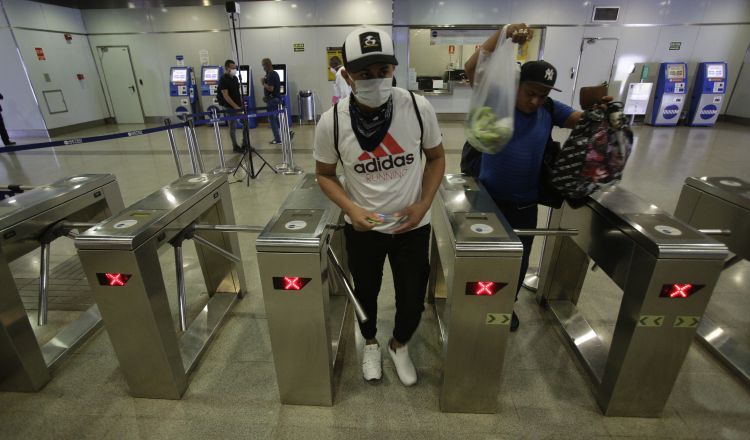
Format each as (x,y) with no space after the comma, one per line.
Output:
(179,75)
(714,71)
(676,72)
(211,74)
(281,74)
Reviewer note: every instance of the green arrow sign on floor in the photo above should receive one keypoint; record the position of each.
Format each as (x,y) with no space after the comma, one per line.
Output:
(497,319)
(650,320)
(687,321)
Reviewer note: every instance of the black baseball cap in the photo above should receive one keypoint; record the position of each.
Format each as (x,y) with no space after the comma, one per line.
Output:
(366,46)
(539,72)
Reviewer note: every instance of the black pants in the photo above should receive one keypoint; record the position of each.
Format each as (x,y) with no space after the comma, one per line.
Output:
(408,256)
(521,216)
(3,132)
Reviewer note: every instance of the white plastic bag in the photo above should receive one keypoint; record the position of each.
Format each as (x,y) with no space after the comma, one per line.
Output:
(489,125)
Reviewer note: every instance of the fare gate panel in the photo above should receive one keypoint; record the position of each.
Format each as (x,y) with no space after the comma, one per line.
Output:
(302,264)
(475,262)
(30,221)
(723,204)
(120,258)
(667,271)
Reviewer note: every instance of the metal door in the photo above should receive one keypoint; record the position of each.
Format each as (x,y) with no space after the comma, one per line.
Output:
(595,65)
(121,85)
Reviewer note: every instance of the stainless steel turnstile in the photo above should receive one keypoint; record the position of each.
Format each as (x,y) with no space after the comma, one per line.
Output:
(667,271)
(722,203)
(29,221)
(475,260)
(301,262)
(120,258)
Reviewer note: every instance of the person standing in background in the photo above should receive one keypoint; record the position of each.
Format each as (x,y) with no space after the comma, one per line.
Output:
(3,131)
(272,97)
(228,95)
(341,88)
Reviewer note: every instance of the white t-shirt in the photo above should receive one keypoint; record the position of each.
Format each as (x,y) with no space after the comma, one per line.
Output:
(389,178)
(341,88)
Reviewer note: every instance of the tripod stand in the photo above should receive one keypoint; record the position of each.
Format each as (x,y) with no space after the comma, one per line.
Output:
(247,157)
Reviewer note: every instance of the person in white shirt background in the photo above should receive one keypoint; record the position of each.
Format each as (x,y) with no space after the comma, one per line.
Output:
(389,145)
(341,88)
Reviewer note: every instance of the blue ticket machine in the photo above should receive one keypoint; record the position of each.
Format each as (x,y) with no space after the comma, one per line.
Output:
(182,89)
(210,76)
(670,96)
(708,93)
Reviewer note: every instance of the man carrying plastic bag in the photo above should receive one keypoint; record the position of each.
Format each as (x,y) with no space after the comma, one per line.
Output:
(512,176)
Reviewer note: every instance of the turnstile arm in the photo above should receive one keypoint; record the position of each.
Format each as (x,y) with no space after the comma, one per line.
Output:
(545,232)
(228,228)
(217,249)
(333,259)
(715,231)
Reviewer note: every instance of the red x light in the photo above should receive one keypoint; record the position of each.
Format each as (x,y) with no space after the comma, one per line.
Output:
(113,279)
(679,290)
(290,283)
(484,288)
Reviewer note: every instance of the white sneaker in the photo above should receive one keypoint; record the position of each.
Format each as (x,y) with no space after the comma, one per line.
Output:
(372,363)
(404,366)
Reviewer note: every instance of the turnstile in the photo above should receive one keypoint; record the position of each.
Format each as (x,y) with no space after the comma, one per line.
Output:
(29,221)
(474,265)
(120,258)
(667,271)
(723,203)
(300,255)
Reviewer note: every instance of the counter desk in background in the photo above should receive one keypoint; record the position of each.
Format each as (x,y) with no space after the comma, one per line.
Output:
(451,101)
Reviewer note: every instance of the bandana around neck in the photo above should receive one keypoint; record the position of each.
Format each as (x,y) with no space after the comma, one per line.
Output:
(371,128)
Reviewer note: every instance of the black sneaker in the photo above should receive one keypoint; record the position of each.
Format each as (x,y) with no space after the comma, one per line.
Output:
(275,142)
(238,149)
(10,144)
(291,134)
(514,322)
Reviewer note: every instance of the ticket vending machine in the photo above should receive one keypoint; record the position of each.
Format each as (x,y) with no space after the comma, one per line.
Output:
(248,91)
(182,89)
(708,93)
(671,91)
(285,97)
(209,85)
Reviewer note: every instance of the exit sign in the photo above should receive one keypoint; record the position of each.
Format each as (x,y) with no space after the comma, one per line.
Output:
(675,45)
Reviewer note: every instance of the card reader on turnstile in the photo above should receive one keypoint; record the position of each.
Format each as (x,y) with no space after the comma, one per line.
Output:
(30,221)
(667,271)
(474,265)
(708,94)
(210,76)
(671,92)
(121,259)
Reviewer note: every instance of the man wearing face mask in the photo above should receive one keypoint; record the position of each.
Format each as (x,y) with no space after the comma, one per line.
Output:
(389,145)
(228,95)
(341,88)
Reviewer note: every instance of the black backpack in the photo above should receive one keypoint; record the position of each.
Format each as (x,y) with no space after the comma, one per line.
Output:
(336,126)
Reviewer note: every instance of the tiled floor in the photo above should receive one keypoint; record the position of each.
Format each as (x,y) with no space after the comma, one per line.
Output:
(233,393)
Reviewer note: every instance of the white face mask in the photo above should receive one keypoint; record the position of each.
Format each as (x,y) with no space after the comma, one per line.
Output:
(373,92)
(233,72)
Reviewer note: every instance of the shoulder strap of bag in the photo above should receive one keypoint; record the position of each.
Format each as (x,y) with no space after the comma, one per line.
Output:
(336,131)
(550,107)
(419,119)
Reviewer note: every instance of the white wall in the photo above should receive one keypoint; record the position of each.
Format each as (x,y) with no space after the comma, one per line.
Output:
(156,35)
(84,99)
(20,112)
(739,106)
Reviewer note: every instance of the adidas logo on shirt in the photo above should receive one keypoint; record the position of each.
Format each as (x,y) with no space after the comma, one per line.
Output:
(385,157)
